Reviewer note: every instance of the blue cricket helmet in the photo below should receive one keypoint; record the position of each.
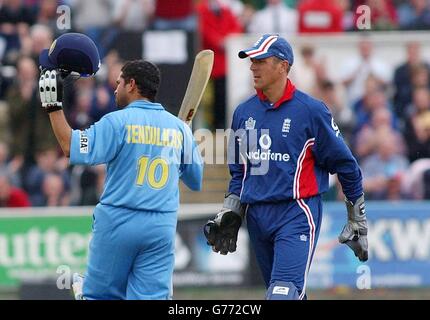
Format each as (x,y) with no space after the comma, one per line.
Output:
(72,52)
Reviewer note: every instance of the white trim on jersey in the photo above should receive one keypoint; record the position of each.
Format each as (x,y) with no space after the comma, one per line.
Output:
(311,223)
(296,184)
(244,174)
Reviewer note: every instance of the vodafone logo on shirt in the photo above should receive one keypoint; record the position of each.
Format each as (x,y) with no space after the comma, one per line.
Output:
(265,153)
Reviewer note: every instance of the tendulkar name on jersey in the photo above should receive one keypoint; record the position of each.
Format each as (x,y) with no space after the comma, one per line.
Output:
(163,137)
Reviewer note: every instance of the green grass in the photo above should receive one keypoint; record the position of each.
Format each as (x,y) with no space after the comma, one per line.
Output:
(339,293)
(258,293)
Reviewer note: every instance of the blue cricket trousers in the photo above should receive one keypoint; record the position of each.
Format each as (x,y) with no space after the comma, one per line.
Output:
(131,255)
(284,236)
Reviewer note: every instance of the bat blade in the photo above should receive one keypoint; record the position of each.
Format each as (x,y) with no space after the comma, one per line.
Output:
(199,78)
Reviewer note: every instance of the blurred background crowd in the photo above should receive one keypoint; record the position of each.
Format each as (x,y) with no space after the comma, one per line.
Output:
(383,113)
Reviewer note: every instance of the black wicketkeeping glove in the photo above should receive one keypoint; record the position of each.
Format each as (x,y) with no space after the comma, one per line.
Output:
(354,233)
(221,232)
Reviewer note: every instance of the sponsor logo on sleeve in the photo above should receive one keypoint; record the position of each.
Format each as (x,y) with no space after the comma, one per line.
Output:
(83,142)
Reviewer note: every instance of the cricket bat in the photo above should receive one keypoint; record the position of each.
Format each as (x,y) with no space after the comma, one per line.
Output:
(199,78)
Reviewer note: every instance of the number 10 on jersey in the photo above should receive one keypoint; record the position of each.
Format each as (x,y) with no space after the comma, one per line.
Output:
(147,170)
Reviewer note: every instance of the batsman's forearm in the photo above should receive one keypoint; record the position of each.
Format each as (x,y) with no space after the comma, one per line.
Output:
(62,130)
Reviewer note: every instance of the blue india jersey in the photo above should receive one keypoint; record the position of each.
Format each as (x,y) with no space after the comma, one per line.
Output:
(147,150)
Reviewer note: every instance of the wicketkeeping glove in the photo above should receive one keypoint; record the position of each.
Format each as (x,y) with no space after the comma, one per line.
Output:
(51,90)
(221,232)
(354,233)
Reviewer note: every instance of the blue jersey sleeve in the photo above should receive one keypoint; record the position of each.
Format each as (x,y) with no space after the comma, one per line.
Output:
(191,168)
(333,154)
(98,144)
(233,157)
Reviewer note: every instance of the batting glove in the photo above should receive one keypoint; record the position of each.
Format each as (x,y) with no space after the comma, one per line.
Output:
(51,90)
(78,282)
(354,233)
(221,232)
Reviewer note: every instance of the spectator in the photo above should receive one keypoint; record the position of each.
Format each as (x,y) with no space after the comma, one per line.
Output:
(94,18)
(11,196)
(80,117)
(317,16)
(309,72)
(348,20)
(47,14)
(383,170)
(87,184)
(169,16)
(10,167)
(133,15)
(415,184)
(236,6)
(414,15)
(420,76)
(403,78)
(417,129)
(47,162)
(420,79)
(28,123)
(357,69)
(15,19)
(364,109)
(13,14)
(276,17)
(104,98)
(53,190)
(131,18)
(216,23)
(40,37)
(381,121)
(246,15)
(342,114)
(244,12)
(73,107)
(383,14)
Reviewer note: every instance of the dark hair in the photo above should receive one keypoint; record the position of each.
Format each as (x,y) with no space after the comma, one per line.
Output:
(145,74)
(278,60)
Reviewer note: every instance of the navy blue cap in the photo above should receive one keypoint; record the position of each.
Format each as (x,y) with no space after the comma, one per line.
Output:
(267,46)
(72,52)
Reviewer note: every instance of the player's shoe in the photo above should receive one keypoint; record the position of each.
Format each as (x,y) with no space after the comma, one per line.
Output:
(78,281)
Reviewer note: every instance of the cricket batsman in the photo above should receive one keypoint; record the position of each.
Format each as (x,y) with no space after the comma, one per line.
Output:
(147,150)
(283,146)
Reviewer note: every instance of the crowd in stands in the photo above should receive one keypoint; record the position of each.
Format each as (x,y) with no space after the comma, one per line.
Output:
(384,114)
